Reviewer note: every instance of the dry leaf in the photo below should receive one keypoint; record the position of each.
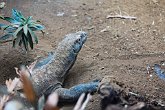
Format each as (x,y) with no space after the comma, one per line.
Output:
(22,72)
(27,85)
(80,105)
(89,97)
(28,88)
(79,102)
(31,67)
(52,101)
(14,105)
(13,84)
(50,108)
(3,100)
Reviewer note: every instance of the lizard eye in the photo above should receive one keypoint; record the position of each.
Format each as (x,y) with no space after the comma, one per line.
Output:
(78,40)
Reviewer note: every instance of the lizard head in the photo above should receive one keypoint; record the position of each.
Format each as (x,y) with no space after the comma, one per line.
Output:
(75,41)
(79,40)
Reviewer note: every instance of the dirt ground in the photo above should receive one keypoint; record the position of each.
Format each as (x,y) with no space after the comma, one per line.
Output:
(117,47)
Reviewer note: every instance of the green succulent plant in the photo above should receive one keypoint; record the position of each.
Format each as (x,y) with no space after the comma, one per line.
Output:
(20,30)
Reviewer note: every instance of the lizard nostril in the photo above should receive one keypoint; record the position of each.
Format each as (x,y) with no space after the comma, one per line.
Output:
(84,34)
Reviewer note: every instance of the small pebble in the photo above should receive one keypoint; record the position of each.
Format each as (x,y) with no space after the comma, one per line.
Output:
(101,68)
(74,15)
(151,75)
(96,55)
(60,13)
(90,28)
(125,106)
(2,5)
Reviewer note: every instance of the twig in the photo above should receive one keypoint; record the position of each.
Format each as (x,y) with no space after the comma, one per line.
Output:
(132,93)
(86,102)
(79,102)
(122,17)
(80,105)
(88,47)
(3,101)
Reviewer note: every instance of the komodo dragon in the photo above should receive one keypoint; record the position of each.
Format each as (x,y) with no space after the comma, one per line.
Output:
(48,75)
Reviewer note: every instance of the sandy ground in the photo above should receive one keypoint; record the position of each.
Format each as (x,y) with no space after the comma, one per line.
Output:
(117,47)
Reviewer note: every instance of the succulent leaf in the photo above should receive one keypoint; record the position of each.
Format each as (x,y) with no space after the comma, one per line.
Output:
(18,39)
(25,42)
(36,27)
(5,37)
(21,29)
(2,25)
(30,40)
(16,32)
(34,36)
(25,29)
(10,29)
(17,15)
(11,20)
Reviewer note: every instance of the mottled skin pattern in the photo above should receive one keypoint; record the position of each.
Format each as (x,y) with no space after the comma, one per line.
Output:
(49,74)
(160,72)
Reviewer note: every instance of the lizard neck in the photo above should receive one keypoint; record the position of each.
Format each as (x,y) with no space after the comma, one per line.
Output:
(66,58)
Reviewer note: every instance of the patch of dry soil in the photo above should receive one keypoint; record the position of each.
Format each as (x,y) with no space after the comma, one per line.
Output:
(121,48)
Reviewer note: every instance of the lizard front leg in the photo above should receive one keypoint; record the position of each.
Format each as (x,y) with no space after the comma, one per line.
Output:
(71,95)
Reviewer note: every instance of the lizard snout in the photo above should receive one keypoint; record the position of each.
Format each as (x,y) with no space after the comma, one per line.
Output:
(83,36)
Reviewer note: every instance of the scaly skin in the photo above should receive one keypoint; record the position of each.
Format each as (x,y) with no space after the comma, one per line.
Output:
(49,74)
(159,72)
